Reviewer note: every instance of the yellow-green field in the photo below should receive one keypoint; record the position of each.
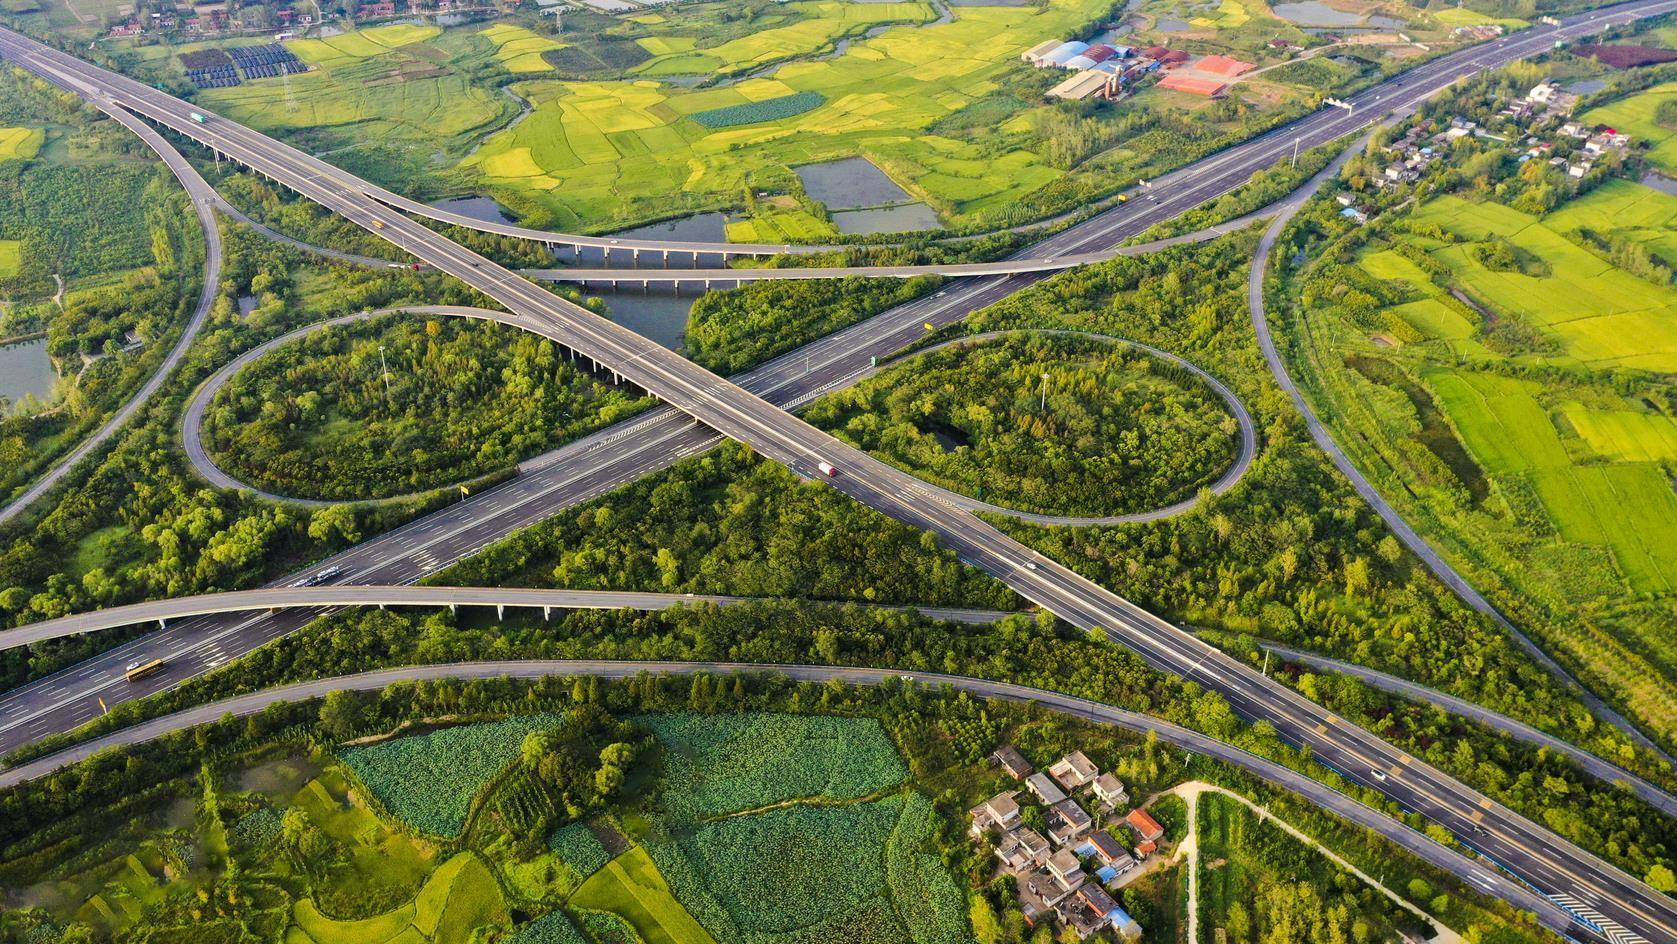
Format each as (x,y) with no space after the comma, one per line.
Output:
(461,895)
(518,50)
(11,257)
(826,21)
(373,80)
(20,143)
(1627,507)
(1603,316)
(1461,16)
(596,152)
(631,887)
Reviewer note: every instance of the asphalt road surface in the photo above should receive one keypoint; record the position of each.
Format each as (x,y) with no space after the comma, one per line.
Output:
(1475,874)
(361,595)
(1610,900)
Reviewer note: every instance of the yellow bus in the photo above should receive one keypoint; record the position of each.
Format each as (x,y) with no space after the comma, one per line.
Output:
(141,669)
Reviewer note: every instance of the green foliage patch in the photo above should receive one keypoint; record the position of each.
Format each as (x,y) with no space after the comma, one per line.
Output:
(769,109)
(428,781)
(717,765)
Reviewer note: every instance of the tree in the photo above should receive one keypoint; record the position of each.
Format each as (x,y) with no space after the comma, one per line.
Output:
(341,714)
(986,928)
(1661,878)
(334,521)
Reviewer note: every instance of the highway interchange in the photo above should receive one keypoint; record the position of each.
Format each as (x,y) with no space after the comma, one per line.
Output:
(1562,871)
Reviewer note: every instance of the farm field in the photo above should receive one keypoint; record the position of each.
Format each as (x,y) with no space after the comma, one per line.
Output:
(1602,316)
(820,25)
(20,143)
(428,781)
(1524,415)
(602,154)
(518,50)
(381,87)
(631,887)
(11,257)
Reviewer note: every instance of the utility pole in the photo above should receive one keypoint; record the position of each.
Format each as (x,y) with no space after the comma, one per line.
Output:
(384,369)
(1266,662)
(1043,406)
(1295,152)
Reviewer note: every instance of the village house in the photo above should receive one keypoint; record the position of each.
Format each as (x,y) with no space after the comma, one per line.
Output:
(1066,869)
(1067,822)
(1000,812)
(1074,770)
(1044,788)
(1022,849)
(1110,790)
(1147,829)
(1008,758)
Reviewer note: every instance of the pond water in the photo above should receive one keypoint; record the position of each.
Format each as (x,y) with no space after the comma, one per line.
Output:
(1660,182)
(700,227)
(849,183)
(25,368)
(478,208)
(1587,86)
(1167,24)
(1318,14)
(657,315)
(902,218)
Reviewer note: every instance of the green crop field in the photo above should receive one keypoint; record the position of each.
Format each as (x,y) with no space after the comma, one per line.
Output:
(857,872)
(596,154)
(632,888)
(11,257)
(1603,316)
(20,143)
(720,765)
(429,780)
(460,896)
(374,89)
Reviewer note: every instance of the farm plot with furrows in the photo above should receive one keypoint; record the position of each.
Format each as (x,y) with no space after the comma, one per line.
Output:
(428,781)
(716,765)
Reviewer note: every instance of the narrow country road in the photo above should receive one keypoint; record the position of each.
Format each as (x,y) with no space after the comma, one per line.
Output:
(203,200)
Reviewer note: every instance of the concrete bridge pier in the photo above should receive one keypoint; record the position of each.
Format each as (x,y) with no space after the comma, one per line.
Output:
(500,611)
(547,614)
(453,608)
(635,256)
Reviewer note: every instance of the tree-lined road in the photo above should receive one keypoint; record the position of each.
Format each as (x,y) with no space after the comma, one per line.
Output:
(1562,871)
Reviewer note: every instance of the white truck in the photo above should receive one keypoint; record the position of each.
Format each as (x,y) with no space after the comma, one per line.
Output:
(826,469)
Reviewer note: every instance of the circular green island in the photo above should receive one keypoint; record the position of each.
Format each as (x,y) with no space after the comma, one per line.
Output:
(1048,423)
(395,405)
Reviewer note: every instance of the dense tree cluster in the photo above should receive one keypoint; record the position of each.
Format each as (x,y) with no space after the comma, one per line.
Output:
(730,331)
(368,410)
(1046,423)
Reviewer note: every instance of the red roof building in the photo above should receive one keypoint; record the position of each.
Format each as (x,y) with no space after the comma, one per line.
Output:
(1173,57)
(1145,826)
(1176,81)
(1223,65)
(1155,52)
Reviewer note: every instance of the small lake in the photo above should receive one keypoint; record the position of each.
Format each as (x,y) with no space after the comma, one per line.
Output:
(1318,14)
(486,209)
(902,218)
(1167,24)
(849,183)
(700,227)
(658,315)
(1587,86)
(24,369)
(1657,181)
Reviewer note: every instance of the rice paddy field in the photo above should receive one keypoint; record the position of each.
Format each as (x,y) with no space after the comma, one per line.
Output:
(1521,419)
(11,257)
(593,153)
(20,143)
(382,87)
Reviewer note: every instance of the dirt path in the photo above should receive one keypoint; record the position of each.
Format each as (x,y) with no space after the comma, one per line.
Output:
(1190,793)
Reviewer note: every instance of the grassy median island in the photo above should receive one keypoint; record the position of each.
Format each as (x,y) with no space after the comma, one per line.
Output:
(314,418)
(1119,431)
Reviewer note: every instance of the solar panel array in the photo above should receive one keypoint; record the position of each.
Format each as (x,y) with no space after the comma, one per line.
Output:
(218,77)
(262,62)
